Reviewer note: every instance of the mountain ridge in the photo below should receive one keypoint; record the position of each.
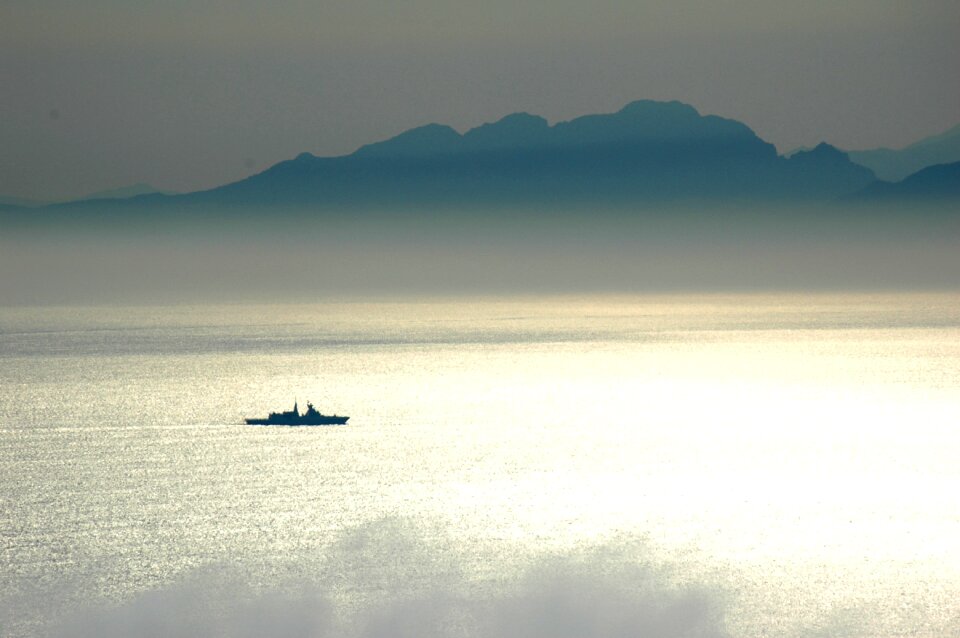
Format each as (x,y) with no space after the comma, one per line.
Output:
(638,120)
(648,151)
(893,165)
(940,182)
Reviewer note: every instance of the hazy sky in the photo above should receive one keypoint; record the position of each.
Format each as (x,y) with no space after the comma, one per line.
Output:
(188,94)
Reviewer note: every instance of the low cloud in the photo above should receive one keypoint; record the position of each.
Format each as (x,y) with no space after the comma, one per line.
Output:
(382,580)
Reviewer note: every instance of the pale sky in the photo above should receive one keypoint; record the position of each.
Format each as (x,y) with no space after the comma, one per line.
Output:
(190,94)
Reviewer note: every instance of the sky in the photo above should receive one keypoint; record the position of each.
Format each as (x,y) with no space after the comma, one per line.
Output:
(191,94)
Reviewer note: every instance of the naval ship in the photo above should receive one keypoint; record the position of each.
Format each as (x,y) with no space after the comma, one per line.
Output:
(293,417)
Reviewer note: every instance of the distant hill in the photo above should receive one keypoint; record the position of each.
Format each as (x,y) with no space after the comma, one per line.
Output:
(19,202)
(932,184)
(893,165)
(125,192)
(646,152)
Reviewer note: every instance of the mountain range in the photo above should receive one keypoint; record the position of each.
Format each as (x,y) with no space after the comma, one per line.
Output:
(649,152)
(940,182)
(894,165)
(646,152)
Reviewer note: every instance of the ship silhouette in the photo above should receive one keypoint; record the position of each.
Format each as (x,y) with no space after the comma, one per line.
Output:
(293,417)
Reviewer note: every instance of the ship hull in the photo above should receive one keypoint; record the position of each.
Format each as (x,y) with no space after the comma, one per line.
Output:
(324,420)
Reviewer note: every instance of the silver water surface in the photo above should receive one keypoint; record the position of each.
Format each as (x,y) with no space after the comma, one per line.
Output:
(796,451)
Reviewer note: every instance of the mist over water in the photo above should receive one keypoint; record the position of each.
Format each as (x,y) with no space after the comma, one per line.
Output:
(118,255)
(387,579)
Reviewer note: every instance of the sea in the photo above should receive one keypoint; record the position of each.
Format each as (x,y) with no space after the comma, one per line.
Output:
(692,465)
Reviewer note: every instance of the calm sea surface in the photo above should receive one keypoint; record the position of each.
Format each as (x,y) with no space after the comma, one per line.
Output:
(792,460)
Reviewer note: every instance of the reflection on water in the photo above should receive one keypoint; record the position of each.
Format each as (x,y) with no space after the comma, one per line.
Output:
(797,453)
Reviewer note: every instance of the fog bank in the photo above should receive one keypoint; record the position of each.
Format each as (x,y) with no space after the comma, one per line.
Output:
(282,255)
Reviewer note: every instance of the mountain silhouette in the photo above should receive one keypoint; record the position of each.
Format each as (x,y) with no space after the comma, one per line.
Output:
(893,165)
(827,171)
(424,141)
(647,152)
(20,202)
(125,192)
(932,184)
